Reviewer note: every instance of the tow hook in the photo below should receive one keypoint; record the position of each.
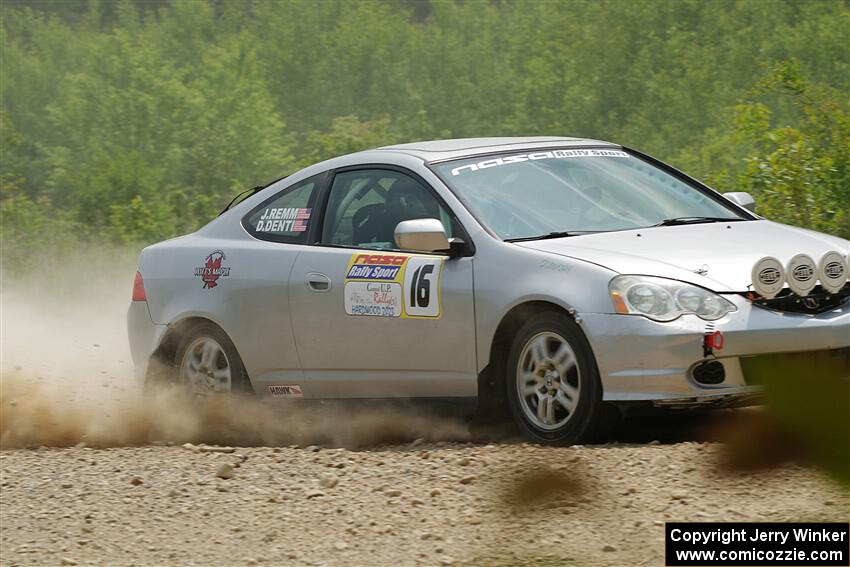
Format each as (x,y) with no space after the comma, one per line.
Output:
(711,342)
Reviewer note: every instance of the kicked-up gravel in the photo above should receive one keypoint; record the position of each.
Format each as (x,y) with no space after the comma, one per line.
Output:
(415,504)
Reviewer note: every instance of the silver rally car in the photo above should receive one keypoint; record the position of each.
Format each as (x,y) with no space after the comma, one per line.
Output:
(555,276)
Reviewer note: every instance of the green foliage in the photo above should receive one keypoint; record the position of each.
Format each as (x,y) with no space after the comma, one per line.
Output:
(141,220)
(133,121)
(347,134)
(799,175)
(807,395)
(28,227)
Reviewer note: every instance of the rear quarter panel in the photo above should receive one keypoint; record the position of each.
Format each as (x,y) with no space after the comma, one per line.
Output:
(249,302)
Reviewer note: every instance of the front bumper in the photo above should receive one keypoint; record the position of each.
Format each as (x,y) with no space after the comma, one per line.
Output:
(641,360)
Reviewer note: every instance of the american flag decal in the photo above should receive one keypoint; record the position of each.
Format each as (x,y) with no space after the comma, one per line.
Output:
(301,218)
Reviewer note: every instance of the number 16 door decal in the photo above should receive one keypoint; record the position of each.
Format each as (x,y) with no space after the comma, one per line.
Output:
(422,287)
(390,285)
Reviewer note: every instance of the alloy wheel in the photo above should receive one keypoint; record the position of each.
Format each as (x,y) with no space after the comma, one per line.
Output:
(548,381)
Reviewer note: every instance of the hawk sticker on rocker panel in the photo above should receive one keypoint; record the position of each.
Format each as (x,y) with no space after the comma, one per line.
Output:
(286,391)
(284,219)
(212,269)
(392,285)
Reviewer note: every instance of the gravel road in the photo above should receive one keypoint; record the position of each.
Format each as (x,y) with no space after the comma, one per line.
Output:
(414,504)
(145,498)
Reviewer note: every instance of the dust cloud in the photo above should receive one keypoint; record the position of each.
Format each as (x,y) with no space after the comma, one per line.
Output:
(66,377)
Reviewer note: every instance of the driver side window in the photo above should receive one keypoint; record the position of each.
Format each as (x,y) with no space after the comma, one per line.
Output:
(366,206)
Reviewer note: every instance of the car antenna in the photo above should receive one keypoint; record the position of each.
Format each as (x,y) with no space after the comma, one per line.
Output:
(253,191)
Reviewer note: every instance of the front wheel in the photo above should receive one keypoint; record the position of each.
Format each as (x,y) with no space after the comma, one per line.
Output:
(553,386)
(207,362)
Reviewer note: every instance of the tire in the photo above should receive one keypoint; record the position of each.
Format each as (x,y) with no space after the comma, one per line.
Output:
(208,363)
(552,382)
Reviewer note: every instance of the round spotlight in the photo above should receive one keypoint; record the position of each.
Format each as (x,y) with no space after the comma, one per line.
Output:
(802,274)
(832,272)
(768,277)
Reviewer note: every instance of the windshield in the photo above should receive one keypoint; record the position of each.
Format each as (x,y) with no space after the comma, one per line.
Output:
(529,195)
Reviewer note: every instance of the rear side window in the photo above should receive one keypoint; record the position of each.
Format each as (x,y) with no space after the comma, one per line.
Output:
(287,216)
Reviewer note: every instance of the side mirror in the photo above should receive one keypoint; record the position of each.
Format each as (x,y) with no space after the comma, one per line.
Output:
(422,235)
(742,199)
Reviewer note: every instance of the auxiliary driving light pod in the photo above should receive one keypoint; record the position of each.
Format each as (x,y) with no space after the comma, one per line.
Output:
(768,277)
(802,274)
(832,272)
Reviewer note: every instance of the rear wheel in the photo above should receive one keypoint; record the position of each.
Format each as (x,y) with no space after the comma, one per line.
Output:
(207,362)
(553,386)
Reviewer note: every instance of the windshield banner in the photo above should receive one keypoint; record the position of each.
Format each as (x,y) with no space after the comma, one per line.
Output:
(554,154)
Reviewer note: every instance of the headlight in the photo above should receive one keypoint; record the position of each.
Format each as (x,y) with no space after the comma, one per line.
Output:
(661,299)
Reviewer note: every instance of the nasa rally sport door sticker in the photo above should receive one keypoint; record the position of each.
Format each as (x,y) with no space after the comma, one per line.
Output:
(768,277)
(391,285)
(286,391)
(831,272)
(373,285)
(212,269)
(802,274)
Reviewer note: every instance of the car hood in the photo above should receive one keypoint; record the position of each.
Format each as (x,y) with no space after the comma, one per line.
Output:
(718,256)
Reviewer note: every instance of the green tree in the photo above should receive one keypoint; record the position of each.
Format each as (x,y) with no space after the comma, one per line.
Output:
(137,119)
(800,175)
(346,135)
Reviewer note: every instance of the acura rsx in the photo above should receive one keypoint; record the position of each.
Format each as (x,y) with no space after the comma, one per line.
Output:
(558,277)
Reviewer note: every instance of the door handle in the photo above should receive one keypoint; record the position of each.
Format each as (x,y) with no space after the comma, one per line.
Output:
(318,282)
